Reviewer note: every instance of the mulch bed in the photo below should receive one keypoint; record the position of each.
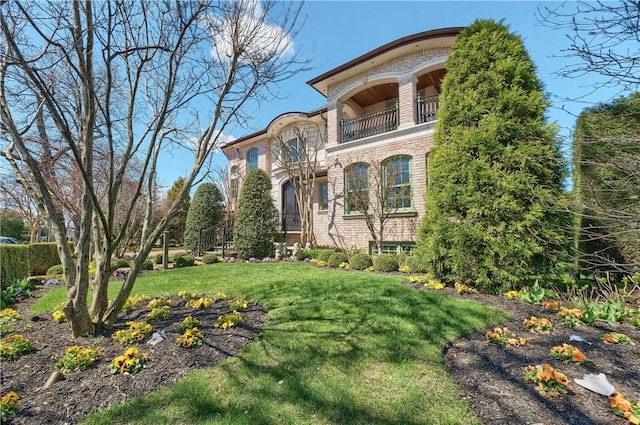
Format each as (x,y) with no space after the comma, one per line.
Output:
(490,377)
(96,388)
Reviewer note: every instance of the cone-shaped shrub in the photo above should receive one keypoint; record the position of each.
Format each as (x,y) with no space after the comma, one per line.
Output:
(256,221)
(205,211)
(492,216)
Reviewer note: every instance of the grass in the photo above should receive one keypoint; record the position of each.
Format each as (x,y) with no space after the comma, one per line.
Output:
(339,348)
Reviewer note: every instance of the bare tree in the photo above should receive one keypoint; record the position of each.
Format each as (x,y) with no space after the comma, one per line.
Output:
(377,190)
(127,80)
(15,200)
(604,39)
(296,151)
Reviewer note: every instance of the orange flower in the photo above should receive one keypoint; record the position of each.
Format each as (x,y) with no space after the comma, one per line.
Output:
(561,378)
(578,356)
(620,402)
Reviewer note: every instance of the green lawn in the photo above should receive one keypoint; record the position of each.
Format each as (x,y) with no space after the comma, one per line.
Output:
(339,348)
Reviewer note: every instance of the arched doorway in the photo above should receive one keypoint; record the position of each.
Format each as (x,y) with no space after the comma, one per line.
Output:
(290,209)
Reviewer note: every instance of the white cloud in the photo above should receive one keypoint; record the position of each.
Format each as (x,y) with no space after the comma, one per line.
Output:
(258,38)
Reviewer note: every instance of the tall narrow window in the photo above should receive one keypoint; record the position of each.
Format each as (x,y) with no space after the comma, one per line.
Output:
(252,159)
(323,196)
(233,182)
(356,188)
(397,181)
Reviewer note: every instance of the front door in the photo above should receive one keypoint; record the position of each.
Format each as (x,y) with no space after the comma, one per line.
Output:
(290,212)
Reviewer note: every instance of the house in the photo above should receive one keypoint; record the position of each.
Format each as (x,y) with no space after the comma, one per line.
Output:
(370,144)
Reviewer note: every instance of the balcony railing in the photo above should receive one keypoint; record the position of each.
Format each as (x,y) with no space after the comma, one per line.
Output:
(427,108)
(370,124)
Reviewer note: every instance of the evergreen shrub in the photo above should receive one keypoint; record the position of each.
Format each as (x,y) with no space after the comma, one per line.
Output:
(14,263)
(256,219)
(210,259)
(42,256)
(184,261)
(336,259)
(324,254)
(55,271)
(385,263)
(361,261)
(147,265)
(205,211)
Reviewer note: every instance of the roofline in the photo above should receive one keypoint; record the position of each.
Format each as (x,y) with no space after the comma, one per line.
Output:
(425,35)
(266,129)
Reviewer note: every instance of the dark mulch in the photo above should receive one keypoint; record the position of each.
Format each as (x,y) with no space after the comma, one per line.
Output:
(96,388)
(491,378)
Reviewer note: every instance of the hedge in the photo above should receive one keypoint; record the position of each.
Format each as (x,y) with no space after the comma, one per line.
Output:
(14,263)
(42,256)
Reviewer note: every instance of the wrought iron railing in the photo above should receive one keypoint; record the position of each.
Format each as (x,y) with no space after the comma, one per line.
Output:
(218,236)
(370,124)
(290,221)
(427,108)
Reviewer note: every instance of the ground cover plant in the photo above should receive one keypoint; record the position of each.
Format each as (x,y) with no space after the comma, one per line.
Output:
(344,347)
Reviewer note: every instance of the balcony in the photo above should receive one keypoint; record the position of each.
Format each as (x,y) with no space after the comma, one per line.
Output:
(370,124)
(427,107)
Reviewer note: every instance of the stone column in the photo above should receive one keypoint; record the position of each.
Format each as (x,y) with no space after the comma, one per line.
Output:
(407,100)
(334,117)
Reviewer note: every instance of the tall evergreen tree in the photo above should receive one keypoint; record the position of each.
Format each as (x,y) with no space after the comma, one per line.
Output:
(205,211)
(256,220)
(606,184)
(496,170)
(176,226)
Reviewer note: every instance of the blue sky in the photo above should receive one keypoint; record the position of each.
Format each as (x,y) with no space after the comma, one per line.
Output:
(337,31)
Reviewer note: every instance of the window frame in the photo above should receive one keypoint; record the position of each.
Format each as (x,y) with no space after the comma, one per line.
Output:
(252,163)
(404,186)
(323,196)
(348,189)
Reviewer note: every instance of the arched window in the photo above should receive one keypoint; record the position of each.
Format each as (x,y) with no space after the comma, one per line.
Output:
(397,181)
(356,188)
(252,159)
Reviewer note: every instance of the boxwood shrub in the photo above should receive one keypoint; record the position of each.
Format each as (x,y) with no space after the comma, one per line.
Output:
(210,259)
(147,265)
(385,263)
(324,254)
(184,260)
(361,261)
(336,259)
(55,271)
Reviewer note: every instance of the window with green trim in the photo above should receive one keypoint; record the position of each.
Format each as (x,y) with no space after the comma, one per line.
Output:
(397,180)
(323,196)
(356,188)
(252,159)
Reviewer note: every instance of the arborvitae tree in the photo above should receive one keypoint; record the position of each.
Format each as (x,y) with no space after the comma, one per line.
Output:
(606,184)
(176,226)
(205,211)
(256,220)
(496,170)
